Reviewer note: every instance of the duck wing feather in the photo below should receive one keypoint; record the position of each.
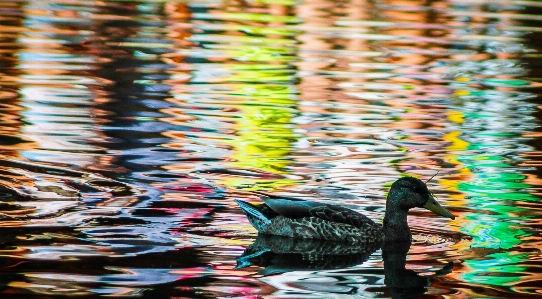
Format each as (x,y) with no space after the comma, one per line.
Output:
(299,208)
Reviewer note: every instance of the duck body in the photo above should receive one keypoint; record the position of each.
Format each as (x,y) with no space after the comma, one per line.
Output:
(296,218)
(302,219)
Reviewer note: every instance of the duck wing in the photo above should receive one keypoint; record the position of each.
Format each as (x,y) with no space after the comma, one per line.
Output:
(298,208)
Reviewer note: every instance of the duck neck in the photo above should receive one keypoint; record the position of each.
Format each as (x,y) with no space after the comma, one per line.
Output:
(395,222)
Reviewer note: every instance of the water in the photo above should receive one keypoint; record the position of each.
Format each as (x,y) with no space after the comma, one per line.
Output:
(128,128)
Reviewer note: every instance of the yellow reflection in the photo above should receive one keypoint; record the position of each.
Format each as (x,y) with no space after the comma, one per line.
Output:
(456,145)
(263,141)
(246,76)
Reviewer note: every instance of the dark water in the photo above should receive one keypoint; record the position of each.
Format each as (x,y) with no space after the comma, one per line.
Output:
(128,128)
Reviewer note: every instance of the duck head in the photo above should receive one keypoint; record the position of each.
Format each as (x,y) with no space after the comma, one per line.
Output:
(408,192)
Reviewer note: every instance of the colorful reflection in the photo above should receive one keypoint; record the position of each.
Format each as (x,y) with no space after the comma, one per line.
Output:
(128,128)
(487,142)
(249,76)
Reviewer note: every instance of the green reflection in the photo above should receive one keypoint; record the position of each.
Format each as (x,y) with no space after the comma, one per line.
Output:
(493,194)
(501,269)
(482,160)
(493,231)
(487,144)
(508,82)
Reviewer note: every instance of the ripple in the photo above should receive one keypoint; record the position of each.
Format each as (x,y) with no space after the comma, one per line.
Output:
(129,128)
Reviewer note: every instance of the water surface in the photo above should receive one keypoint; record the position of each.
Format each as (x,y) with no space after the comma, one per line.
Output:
(128,128)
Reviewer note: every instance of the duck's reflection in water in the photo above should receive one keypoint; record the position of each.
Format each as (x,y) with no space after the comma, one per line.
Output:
(401,282)
(280,255)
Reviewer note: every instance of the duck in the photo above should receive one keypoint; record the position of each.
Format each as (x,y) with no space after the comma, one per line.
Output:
(303,219)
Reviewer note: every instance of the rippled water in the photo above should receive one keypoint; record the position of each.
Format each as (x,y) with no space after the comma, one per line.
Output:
(128,128)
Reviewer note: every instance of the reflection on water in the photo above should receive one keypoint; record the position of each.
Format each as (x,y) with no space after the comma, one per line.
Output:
(281,255)
(128,128)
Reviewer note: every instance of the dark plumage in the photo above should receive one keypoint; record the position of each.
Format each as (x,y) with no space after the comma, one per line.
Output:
(301,219)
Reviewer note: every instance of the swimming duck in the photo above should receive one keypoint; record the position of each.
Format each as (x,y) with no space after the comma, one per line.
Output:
(302,219)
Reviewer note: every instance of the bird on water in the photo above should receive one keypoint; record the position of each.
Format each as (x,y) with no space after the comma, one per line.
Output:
(302,219)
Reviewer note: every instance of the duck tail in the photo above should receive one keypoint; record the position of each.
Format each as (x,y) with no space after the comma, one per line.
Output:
(258,219)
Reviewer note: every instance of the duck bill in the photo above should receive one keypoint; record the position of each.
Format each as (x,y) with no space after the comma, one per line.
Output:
(433,206)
